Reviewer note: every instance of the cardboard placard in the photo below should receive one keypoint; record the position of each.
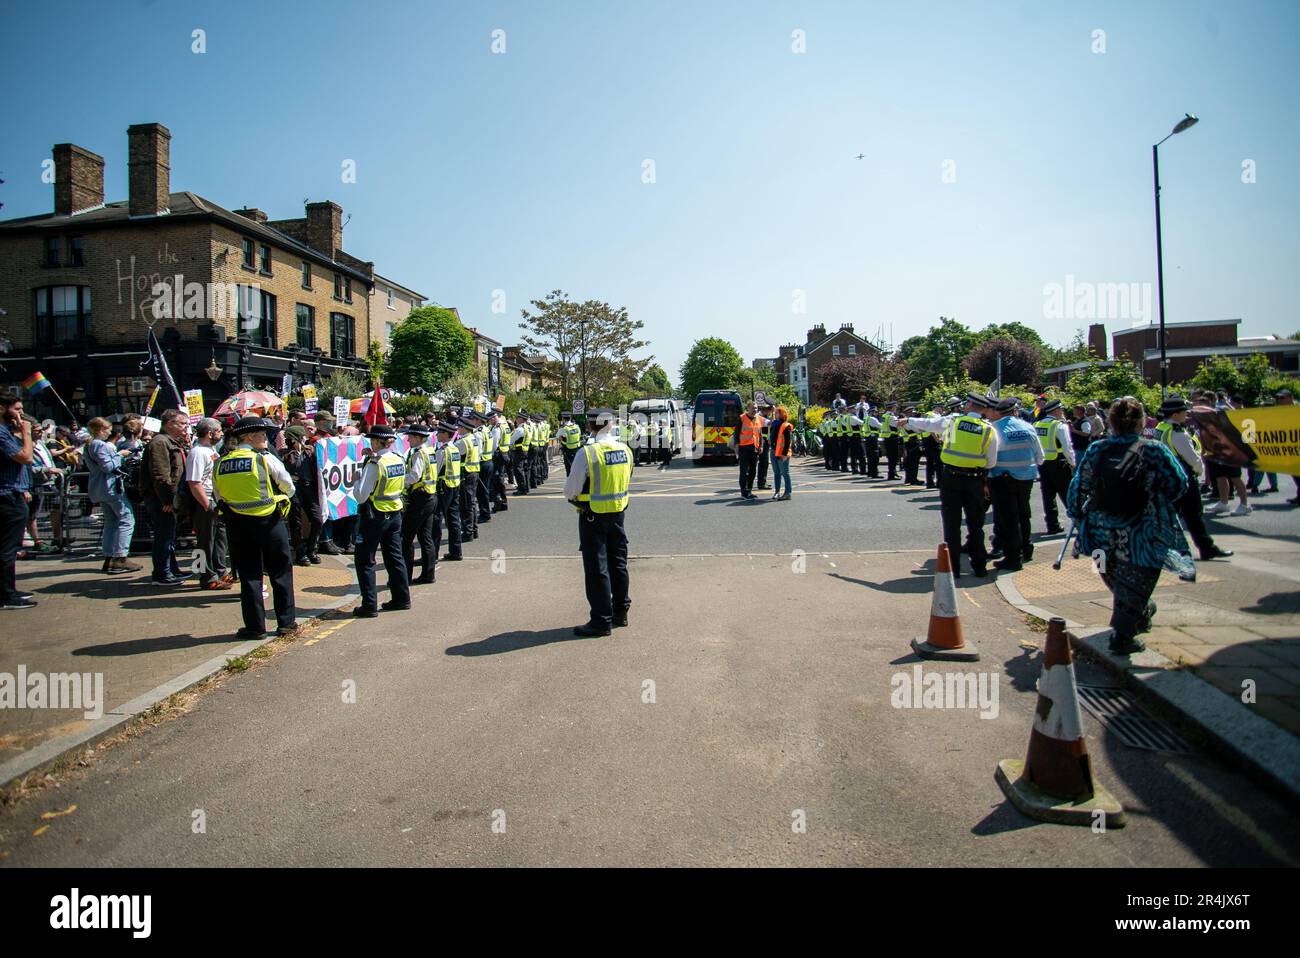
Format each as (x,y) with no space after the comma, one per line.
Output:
(309,400)
(194,405)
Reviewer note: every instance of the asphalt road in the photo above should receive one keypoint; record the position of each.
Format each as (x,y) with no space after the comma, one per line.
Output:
(752,692)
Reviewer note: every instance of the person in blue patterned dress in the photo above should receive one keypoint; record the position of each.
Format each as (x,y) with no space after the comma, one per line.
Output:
(1131,550)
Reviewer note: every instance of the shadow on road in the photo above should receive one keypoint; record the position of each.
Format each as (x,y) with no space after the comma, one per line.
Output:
(514,642)
(165,644)
(914,585)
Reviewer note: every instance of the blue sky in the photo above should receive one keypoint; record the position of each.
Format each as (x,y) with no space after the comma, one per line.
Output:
(523,171)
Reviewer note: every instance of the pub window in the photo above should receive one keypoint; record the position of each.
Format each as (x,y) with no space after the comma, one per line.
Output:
(342,336)
(306,322)
(266,260)
(63,315)
(52,251)
(248,253)
(257,316)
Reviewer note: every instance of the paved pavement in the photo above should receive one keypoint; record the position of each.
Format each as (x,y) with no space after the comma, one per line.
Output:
(483,732)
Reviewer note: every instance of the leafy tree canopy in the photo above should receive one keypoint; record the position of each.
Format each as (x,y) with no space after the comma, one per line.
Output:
(712,363)
(426,348)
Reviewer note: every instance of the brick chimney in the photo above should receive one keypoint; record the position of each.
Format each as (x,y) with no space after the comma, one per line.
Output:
(846,327)
(149,168)
(1097,340)
(325,227)
(251,213)
(816,333)
(78,179)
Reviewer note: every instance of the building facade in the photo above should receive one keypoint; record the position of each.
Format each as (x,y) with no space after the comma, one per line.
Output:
(798,366)
(390,303)
(235,299)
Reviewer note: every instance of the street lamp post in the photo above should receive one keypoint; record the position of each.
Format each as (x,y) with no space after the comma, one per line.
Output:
(1185,123)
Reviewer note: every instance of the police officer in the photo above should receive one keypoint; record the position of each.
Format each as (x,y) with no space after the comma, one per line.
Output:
(969,449)
(500,463)
(254,490)
(857,439)
(379,494)
(470,461)
(598,486)
(520,447)
(487,459)
(1058,460)
(570,437)
(1186,447)
(890,438)
(420,517)
(1011,484)
(911,443)
(871,427)
(446,459)
(824,430)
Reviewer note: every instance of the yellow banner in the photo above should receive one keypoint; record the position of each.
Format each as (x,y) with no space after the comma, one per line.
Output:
(1265,437)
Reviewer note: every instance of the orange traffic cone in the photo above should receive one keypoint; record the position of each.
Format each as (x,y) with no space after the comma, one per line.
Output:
(1054,782)
(944,640)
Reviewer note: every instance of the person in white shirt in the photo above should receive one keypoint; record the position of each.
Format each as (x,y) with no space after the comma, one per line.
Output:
(208,524)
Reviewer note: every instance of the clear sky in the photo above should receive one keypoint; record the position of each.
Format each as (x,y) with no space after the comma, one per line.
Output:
(523,171)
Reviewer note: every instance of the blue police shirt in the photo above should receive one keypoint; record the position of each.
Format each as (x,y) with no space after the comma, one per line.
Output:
(1019,450)
(14,476)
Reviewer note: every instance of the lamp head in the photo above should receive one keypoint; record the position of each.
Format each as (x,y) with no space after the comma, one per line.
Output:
(1185,123)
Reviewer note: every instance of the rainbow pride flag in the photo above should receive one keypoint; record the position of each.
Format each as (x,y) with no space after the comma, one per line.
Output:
(36,382)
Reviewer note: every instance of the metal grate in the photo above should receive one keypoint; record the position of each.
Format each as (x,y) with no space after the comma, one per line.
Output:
(1117,710)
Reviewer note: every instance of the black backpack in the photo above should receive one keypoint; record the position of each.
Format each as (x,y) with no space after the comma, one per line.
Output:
(1119,481)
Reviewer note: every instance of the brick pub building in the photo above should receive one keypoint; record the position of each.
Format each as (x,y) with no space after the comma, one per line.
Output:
(77,289)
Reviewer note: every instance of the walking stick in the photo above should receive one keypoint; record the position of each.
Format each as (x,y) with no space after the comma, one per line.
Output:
(1074,527)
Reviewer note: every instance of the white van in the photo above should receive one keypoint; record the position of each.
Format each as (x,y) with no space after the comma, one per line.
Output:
(663,423)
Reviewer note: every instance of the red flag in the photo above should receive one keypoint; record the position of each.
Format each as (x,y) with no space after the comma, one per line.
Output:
(375,415)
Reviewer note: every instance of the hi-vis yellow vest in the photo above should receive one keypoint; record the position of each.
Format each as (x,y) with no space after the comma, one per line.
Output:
(469,454)
(504,446)
(609,473)
(570,436)
(1165,432)
(428,469)
(1050,437)
(525,438)
(451,465)
(966,443)
(887,425)
(387,496)
(243,482)
(489,447)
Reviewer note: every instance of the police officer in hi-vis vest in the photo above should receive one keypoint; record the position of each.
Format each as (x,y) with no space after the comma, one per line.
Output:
(467,443)
(379,497)
(1186,447)
(1058,461)
(598,486)
(520,451)
(570,437)
(487,456)
(969,450)
(254,488)
(500,463)
(447,460)
(890,439)
(420,517)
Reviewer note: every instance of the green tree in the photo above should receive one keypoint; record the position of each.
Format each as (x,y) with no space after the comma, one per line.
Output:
(1252,377)
(940,353)
(1022,362)
(426,348)
(1075,351)
(411,405)
(341,382)
(712,363)
(655,382)
(465,385)
(375,359)
(1097,383)
(590,338)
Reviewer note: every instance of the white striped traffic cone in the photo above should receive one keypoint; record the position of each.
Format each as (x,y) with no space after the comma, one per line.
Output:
(944,640)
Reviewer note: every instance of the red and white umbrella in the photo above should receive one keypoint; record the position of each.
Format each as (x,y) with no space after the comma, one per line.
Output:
(359,407)
(251,402)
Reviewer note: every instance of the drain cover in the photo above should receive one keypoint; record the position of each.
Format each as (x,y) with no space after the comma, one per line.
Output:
(1117,710)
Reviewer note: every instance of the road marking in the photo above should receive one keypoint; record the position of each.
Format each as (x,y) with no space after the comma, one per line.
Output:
(1231,814)
(966,593)
(328,632)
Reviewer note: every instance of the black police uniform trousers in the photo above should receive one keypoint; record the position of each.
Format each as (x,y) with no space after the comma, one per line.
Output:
(500,466)
(468,506)
(763,457)
(603,544)
(933,467)
(842,454)
(856,456)
(1192,510)
(420,521)
(892,450)
(483,488)
(449,511)
(260,545)
(873,457)
(1011,516)
(961,494)
(381,531)
(748,464)
(1054,476)
(519,463)
(569,456)
(912,461)
(535,466)
(545,458)
(826,450)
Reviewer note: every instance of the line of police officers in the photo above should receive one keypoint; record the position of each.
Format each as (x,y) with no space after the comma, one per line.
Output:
(402,500)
